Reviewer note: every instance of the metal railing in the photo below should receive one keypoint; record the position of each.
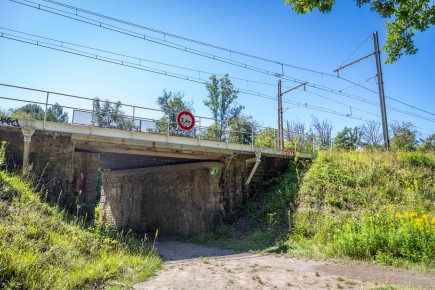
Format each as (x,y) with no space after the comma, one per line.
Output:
(139,119)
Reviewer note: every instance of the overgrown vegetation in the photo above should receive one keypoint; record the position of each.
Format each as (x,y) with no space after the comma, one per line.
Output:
(264,218)
(368,205)
(365,205)
(42,247)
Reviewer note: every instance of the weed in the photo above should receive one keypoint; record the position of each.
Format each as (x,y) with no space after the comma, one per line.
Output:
(42,248)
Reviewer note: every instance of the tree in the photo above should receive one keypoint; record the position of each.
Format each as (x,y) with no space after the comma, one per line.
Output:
(348,138)
(55,113)
(241,130)
(323,130)
(427,144)
(266,137)
(171,104)
(295,135)
(370,134)
(110,115)
(221,102)
(404,136)
(408,16)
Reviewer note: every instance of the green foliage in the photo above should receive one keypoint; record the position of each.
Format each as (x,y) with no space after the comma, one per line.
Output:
(41,249)
(428,144)
(110,115)
(241,130)
(404,136)
(266,137)
(55,113)
(171,104)
(221,102)
(348,139)
(388,236)
(358,204)
(266,216)
(407,17)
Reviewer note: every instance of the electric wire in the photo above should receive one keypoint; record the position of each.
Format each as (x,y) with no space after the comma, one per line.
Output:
(174,45)
(186,49)
(139,59)
(353,51)
(165,34)
(150,69)
(169,74)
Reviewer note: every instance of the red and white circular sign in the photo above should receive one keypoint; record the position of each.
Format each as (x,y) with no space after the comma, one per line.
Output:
(185,120)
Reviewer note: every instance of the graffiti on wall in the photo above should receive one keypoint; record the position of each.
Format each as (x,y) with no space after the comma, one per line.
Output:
(9,121)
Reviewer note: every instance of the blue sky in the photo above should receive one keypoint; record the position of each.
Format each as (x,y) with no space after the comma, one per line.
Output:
(269,29)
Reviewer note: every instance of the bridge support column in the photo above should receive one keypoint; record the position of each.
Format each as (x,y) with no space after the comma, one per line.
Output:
(28,133)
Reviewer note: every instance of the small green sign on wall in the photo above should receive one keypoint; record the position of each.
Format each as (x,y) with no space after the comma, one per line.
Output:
(215,171)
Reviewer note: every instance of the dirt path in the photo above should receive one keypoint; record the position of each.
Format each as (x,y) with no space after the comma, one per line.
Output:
(190,266)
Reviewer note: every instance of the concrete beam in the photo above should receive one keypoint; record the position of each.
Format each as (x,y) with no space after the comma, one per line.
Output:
(27,132)
(126,149)
(164,141)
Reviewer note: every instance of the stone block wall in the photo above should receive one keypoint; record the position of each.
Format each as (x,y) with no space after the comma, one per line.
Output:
(56,167)
(14,148)
(176,200)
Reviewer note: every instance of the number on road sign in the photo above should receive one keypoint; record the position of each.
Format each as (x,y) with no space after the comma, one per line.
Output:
(185,120)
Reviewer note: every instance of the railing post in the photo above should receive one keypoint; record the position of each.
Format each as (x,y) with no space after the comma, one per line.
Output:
(46,108)
(93,113)
(134,124)
(199,127)
(274,132)
(252,136)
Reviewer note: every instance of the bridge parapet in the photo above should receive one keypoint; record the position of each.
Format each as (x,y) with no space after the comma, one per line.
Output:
(137,119)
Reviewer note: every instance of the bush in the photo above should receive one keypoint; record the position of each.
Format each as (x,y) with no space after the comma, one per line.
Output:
(369,205)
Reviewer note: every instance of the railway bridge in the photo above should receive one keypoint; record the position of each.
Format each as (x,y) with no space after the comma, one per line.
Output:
(178,183)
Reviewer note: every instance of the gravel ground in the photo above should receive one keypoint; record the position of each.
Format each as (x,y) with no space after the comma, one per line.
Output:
(189,266)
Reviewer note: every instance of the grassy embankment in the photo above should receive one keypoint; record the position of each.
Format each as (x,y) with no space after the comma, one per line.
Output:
(377,206)
(42,248)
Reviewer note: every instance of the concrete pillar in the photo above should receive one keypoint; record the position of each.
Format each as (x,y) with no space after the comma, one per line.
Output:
(27,132)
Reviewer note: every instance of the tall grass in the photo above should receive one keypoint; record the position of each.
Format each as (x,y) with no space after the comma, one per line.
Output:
(40,248)
(368,205)
(365,205)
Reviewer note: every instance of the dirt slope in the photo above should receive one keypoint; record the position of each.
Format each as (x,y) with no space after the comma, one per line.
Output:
(190,266)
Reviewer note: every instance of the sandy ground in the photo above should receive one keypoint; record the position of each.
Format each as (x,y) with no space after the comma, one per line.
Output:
(190,266)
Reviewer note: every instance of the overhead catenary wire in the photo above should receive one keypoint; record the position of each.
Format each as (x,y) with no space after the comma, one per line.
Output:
(169,74)
(161,42)
(355,50)
(62,48)
(186,49)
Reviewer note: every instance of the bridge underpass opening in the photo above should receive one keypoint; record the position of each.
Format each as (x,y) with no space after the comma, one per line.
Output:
(176,196)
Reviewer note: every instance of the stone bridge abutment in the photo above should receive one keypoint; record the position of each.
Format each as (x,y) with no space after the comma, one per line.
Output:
(147,185)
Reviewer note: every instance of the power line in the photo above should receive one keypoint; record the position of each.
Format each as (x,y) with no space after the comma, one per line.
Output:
(355,50)
(346,105)
(169,74)
(184,48)
(165,34)
(139,59)
(62,48)
(170,44)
